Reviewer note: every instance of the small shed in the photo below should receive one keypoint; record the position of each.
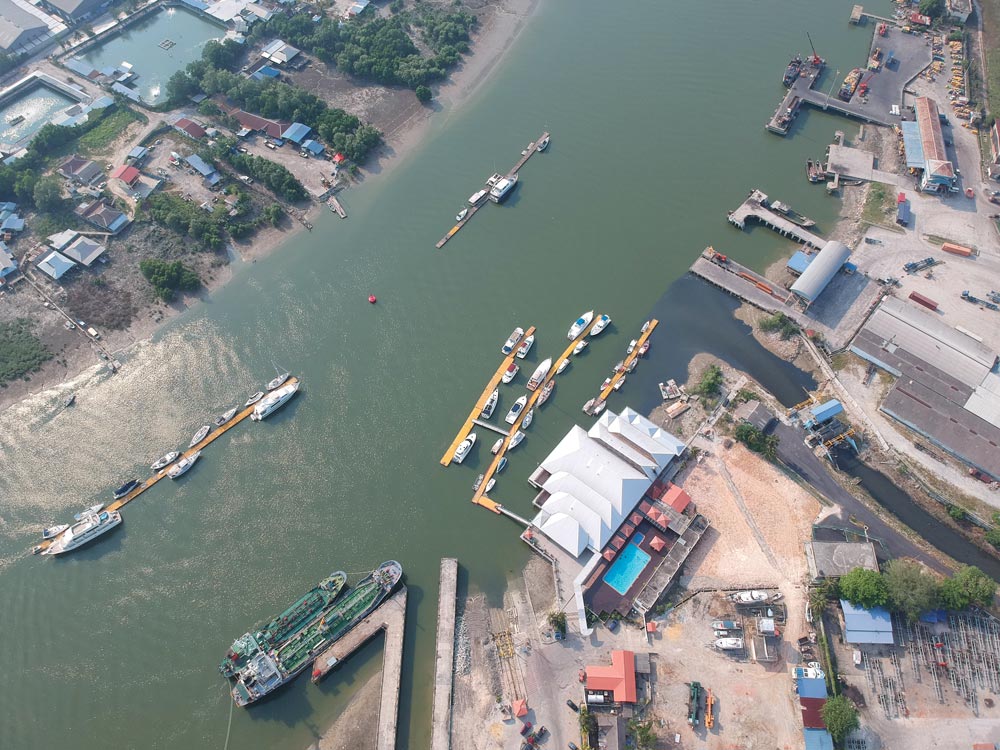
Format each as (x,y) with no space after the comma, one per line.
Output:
(811,687)
(824,412)
(313,147)
(520,708)
(296,132)
(817,739)
(137,154)
(866,626)
(8,263)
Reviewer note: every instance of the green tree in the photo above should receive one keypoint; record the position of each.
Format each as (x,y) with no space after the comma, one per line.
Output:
(167,278)
(757,441)
(968,586)
(21,351)
(912,591)
(711,382)
(956,512)
(993,537)
(840,717)
(423,94)
(557,621)
(864,588)
(932,8)
(47,195)
(643,734)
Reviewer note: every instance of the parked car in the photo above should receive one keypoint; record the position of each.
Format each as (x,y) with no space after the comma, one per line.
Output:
(571,746)
(572,705)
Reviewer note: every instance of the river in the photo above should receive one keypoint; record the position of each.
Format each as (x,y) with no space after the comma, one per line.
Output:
(657,114)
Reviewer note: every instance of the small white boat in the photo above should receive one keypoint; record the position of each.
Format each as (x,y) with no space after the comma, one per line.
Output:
(525,347)
(461,214)
(199,435)
(631,346)
(645,326)
(278,380)
(494,179)
(497,446)
(526,422)
(670,390)
(510,373)
(515,410)
(546,392)
(511,341)
(632,365)
(254,398)
(478,483)
(502,465)
(516,440)
(490,485)
(589,405)
(606,383)
(88,511)
(620,367)
(476,198)
(644,348)
(181,467)
(53,531)
(598,408)
(539,374)
(464,448)
(582,322)
(600,325)
(221,420)
(167,459)
(562,366)
(580,347)
(618,385)
(749,597)
(729,644)
(491,404)
(542,144)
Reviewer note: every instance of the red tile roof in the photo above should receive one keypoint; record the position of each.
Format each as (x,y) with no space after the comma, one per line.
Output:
(126,174)
(657,544)
(618,679)
(812,712)
(676,498)
(193,129)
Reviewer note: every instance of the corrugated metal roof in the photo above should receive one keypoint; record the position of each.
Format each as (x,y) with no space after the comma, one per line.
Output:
(866,625)
(799,261)
(827,410)
(821,271)
(817,739)
(811,687)
(812,712)
(911,143)
(985,400)
(296,132)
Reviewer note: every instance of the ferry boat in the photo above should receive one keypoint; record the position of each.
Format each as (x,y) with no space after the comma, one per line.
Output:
(278,381)
(265,672)
(491,404)
(582,322)
(528,417)
(221,420)
(461,214)
(542,144)
(510,373)
(273,401)
(580,346)
(125,489)
(516,335)
(792,71)
(497,446)
(601,324)
(254,398)
(287,623)
(199,435)
(477,197)
(791,214)
(53,531)
(463,449)
(84,531)
(539,374)
(181,467)
(515,409)
(167,459)
(546,391)
(562,366)
(516,440)
(502,188)
(525,347)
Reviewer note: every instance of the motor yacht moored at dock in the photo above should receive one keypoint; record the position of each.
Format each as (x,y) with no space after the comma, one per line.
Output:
(580,346)
(491,404)
(515,440)
(83,532)
(516,335)
(464,448)
(539,374)
(274,400)
(602,322)
(510,373)
(525,347)
(582,322)
(515,410)
(502,188)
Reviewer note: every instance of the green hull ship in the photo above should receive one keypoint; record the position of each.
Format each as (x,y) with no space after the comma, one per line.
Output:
(267,670)
(306,610)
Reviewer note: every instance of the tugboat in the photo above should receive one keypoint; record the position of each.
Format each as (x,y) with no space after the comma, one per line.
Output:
(792,71)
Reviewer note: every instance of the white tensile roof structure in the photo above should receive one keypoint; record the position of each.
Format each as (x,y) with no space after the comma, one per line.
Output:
(594,478)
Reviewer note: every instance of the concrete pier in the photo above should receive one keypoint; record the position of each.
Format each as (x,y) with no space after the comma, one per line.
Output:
(756,206)
(390,617)
(745,284)
(444,666)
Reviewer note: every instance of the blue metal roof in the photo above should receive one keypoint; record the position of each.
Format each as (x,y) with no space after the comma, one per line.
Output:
(200,165)
(138,152)
(817,739)
(812,687)
(827,410)
(913,145)
(313,147)
(270,72)
(800,261)
(296,132)
(866,625)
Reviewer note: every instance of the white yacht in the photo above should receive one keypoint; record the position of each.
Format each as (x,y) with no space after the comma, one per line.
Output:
(631,346)
(539,375)
(580,347)
(729,644)
(542,144)
(582,322)
(502,188)
(199,435)
(86,530)
(167,459)
(497,446)
(515,410)
(463,449)
(525,347)
(491,404)
(516,440)
(600,325)
(273,401)
(182,466)
(511,341)
(510,373)
(526,423)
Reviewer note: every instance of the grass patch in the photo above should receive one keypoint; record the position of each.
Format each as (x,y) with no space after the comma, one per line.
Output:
(101,136)
(991,46)
(781,323)
(879,204)
(20,350)
(839,361)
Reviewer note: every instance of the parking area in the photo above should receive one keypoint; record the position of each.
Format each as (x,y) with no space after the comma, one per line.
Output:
(179,177)
(311,171)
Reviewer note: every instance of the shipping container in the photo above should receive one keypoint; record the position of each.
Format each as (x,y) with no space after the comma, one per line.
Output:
(903,213)
(922,300)
(950,247)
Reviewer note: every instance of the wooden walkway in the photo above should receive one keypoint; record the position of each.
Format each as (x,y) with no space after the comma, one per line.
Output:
(391,618)
(619,375)
(755,207)
(530,151)
(444,663)
(212,436)
(335,205)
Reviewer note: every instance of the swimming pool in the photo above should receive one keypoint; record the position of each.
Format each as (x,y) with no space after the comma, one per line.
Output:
(626,568)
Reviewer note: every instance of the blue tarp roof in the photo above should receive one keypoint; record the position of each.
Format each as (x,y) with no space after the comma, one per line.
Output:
(913,145)
(296,132)
(866,625)
(13,224)
(800,261)
(313,147)
(817,739)
(812,687)
(936,615)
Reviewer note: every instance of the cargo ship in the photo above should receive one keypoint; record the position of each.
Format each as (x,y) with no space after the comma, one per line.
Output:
(268,670)
(305,610)
(792,71)
(850,85)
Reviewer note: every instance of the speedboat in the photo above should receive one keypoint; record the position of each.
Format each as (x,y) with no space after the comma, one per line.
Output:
(539,374)
(580,347)
(88,511)
(525,347)
(84,531)
(601,324)
(478,483)
(491,404)
(515,409)
(582,322)
(199,435)
(512,340)
(182,466)
(618,385)
(645,326)
(644,348)
(631,346)
(749,597)
(278,381)
(53,531)
(562,367)
(526,422)
(490,485)
(546,392)
(125,489)
(461,214)
(167,459)
(254,398)
(516,440)
(510,373)
(606,383)
(542,144)
(729,644)
(463,448)
(502,465)
(497,446)
(225,417)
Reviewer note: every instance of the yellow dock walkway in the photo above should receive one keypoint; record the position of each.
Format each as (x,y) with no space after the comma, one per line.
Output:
(212,436)
(628,360)
(478,408)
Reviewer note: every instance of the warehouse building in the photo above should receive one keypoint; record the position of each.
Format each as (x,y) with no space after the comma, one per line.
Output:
(73,10)
(866,626)
(820,271)
(925,151)
(18,27)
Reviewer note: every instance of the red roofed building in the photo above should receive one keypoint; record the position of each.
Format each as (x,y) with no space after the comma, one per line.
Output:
(339,158)
(812,712)
(676,498)
(614,684)
(190,127)
(126,174)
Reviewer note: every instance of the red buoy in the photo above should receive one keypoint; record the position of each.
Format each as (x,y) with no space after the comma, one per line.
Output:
(371,298)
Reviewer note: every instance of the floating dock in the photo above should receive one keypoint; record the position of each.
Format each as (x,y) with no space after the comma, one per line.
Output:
(444,664)
(756,207)
(530,151)
(391,618)
(603,396)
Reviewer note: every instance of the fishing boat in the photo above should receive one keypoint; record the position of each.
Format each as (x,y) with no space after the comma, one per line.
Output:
(546,391)
(602,322)
(580,347)
(491,404)
(254,398)
(181,467)
(221,420)
(792,71)
(791,214)
(53,531)
(125,489)
(726,625)
(497,446)
(515,336)
(516,440)
(729,644)
(265,672)
(167,459)
(525,347)
(644,348)
(69,400)
(526,422)
(582,322)
(490,485)
(501,189)
(749,597)
(502,465)
(199,435)
(542,144)
(619,383)
(510,373)
(478,483)
(84,531)
(631,346)
(562,366)
(274,401)
(463,449)
(88,511)
(278,380)
(461,214)
(539,374)
(283,626)
(515,409)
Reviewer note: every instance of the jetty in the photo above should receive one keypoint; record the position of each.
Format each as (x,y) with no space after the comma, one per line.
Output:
(757,206)
(444,659)
(389,617)
(528,152)
(744,284)
(337,208)
(623,371)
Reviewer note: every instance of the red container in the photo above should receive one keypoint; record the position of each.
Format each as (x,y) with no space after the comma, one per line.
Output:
(922,300)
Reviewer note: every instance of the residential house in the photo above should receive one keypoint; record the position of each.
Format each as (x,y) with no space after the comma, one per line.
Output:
(190,128)
(55,265)
(84,250)
(129,175)
(79,170)
(103,216)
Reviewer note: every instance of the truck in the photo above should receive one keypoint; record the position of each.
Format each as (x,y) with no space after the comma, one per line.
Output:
(94,333)
(694,703)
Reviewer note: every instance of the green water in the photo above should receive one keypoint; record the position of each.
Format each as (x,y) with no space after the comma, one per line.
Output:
(657,117)
(37,106)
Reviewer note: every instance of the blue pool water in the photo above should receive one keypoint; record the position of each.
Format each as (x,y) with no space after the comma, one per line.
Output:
(627,567)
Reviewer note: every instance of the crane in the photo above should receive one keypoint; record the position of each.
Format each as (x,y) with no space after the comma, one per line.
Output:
(863,87)
(815,58)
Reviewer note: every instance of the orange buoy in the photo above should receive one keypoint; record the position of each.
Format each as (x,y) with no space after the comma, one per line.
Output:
(371,299)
